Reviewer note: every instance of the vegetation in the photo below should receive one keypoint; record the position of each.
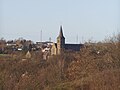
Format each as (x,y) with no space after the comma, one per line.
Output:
(95,67)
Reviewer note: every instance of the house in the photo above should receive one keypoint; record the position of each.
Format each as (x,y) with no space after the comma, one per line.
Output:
(60,46)
(43,45)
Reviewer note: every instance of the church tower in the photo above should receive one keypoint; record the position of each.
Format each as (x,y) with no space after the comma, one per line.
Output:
(60,41)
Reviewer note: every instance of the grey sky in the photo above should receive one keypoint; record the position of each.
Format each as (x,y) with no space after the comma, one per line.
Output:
(89,19)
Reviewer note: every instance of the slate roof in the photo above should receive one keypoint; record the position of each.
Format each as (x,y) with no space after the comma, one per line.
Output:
(74,47)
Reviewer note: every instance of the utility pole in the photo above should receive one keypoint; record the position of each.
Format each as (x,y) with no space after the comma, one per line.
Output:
(41,36)
(49,39)
(82,39)
(77,39)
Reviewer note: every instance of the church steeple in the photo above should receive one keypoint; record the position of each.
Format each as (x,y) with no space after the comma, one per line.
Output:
(61,32)
(60,41)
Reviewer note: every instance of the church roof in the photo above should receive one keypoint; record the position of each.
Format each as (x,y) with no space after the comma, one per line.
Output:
(74,47)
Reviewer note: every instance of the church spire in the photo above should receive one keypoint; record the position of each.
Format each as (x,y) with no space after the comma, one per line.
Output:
(61,32)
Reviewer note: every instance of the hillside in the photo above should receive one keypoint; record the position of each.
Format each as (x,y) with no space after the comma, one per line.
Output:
(95,67)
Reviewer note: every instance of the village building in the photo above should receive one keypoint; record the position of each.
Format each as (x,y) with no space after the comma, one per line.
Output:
(28,55)
(60,46)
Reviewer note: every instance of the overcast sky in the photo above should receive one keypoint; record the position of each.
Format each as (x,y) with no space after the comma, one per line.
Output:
(87,19)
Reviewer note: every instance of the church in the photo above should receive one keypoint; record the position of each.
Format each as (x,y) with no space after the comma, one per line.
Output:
(60,46)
